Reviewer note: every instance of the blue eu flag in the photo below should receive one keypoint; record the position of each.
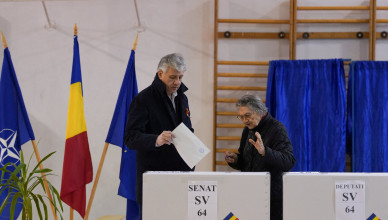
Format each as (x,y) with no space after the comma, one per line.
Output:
(15,127)
(115,136)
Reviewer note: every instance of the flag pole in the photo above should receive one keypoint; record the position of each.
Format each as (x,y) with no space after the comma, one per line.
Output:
(71,213)
(75,30)
(44,177)
(3,40)
(97,178)
(135,42)
(98,174)
(71,209)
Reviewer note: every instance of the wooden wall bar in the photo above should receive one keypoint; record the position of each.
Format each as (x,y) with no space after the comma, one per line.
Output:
(292,36)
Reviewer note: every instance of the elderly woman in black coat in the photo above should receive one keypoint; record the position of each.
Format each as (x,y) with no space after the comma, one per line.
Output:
(264,147)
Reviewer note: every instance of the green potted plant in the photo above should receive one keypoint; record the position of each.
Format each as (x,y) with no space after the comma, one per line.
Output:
(21,186)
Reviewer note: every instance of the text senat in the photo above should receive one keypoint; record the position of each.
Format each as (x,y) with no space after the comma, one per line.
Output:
(202,188)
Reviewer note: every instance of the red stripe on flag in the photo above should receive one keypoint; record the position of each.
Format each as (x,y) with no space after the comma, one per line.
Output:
(77,172)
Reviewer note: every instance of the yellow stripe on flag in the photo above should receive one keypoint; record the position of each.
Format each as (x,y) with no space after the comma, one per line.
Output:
(233,218)
(75,115)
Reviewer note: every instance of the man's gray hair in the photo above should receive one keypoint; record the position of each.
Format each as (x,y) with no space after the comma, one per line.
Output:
(253,102)
(173,60)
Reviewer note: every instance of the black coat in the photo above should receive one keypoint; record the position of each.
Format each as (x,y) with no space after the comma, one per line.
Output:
(278,157)
(151,112)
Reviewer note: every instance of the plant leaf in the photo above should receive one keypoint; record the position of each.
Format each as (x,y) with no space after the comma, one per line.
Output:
(29,161)
(36,183)
(44,170)
(41,161)
(37,205)
(52,188)
(21,184)
(24,213)
(4,203)
(29,207)
(44,205)
(33,185)
(14,174)
(13,206)
(22,161)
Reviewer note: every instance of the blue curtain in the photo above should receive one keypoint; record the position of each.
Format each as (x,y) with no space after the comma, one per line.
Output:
(367,124)
(308,97)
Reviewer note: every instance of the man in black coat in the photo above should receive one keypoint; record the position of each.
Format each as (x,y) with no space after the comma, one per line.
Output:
(153,114)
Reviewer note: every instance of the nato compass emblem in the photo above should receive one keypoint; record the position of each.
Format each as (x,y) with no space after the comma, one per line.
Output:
(8,152)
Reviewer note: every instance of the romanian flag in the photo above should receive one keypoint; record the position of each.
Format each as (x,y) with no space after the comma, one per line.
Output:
(373,217)
(231,216)
(77,163)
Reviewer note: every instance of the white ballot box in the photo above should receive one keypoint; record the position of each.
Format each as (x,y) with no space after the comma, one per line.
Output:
(335,196)
(205,195)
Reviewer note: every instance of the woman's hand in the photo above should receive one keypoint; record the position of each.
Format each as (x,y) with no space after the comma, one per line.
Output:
(258,144)
(230,157)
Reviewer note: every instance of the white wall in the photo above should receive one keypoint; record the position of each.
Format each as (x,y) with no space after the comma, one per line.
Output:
(107,28)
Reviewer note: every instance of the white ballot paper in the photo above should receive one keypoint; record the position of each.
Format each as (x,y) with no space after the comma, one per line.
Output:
(191,149)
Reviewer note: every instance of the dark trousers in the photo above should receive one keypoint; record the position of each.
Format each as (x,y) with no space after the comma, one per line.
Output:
(276,210)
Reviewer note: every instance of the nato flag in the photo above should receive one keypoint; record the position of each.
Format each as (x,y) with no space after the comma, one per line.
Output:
(15,127)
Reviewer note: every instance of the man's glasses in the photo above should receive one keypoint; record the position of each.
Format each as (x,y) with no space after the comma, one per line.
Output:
(245,116)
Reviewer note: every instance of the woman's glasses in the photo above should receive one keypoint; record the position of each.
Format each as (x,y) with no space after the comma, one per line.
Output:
(245,116)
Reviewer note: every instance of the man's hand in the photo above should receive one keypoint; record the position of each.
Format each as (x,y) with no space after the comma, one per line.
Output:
(230,157)
(165,138)
(258,144)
